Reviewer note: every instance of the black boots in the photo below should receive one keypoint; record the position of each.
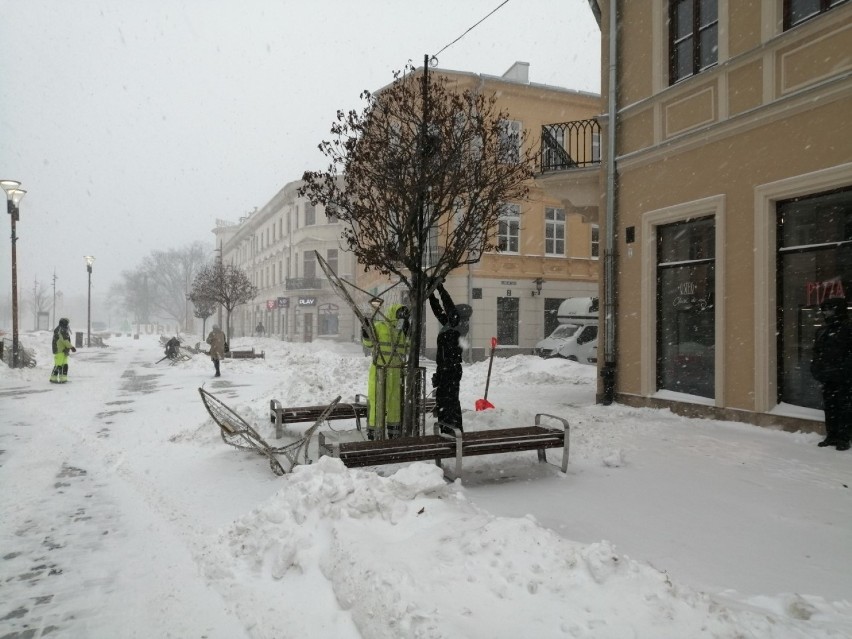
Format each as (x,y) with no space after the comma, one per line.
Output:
(839,444)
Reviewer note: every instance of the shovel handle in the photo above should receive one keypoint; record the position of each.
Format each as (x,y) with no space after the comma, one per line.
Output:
(490,362)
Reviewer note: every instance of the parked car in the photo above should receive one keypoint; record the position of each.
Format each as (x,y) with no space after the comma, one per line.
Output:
(576,337)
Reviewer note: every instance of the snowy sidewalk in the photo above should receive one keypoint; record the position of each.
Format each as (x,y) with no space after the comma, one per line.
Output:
(126,516)
(78,541)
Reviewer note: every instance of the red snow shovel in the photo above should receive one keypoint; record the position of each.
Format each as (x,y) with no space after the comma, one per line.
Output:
(484,404)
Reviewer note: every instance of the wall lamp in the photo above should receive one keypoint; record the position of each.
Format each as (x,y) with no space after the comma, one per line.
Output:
(538,282)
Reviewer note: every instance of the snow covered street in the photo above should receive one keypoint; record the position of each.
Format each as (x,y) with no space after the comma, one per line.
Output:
(125,515)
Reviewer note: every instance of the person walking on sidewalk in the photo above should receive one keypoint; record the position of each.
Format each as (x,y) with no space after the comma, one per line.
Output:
(61,347)
(217,341)
(832,367)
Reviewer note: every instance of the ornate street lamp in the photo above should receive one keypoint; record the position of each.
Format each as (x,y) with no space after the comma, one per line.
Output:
(13,198)
(89,261)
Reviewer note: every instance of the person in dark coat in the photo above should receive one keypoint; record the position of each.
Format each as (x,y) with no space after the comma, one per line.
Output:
(832,367)
(447,378)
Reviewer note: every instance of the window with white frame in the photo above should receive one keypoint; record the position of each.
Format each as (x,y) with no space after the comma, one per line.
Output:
(596,242)
(310,264)
(510,141)
(509,228)
(331,259)
(554,232)
(310,214)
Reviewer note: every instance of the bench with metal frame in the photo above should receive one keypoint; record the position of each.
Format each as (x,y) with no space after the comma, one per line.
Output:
(357,410)
(245,354)
(457,445)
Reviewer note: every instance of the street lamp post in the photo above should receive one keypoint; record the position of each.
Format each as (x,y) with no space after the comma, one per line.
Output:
(89,261)
(13,198)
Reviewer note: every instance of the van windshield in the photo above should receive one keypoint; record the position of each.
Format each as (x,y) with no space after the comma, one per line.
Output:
(564,331)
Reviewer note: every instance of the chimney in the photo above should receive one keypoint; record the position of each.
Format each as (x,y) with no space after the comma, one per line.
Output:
(518,72)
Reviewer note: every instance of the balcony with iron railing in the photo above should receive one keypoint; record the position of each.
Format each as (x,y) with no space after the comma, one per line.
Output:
(570,145)
(570,166)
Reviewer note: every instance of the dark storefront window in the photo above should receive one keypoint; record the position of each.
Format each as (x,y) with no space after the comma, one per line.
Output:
(507,320)
(814,263)
(551,310)
(686,326)
(328,319)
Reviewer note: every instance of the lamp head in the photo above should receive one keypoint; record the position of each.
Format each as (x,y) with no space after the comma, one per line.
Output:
(89,259)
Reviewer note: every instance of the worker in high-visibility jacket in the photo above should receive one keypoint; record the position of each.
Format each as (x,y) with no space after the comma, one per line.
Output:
(61,347)
(390,353)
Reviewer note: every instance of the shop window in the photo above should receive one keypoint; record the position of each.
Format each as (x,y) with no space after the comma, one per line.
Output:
(328,319)
(507,320)
(551,311)
(814,263)
(686,307)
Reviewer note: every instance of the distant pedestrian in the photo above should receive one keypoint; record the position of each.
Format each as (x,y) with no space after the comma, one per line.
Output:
(832,367)
(447,378)
(259,329)
(61,347)
(217,342)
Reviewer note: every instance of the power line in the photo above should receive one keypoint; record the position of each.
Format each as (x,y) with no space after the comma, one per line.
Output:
(473,27)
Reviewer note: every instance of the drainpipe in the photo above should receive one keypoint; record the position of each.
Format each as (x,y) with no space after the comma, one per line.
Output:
(609,367)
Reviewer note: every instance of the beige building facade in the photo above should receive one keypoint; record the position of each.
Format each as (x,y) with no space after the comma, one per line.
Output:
(275,246)
(549,246)
(732,215)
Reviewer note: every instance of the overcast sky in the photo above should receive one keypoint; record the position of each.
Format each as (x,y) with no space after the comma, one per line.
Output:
(135,125)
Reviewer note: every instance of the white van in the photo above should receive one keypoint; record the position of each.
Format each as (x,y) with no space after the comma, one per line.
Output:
(576,337)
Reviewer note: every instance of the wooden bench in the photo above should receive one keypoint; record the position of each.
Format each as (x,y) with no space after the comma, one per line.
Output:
(458,445)
(245,354)
(356,410)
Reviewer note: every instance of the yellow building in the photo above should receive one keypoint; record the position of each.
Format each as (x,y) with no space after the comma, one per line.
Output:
(732,201)
(549,248)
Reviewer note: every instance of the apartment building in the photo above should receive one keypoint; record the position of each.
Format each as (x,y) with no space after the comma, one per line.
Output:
(549,244)
(732,201)
(276,246)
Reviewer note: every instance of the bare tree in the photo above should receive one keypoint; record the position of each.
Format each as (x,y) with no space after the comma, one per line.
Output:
(170,275)
(223,284)
(420,177)
(40,301)
(203,308)
(132,294)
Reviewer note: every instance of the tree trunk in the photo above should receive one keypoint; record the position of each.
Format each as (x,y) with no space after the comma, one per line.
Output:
(411,414)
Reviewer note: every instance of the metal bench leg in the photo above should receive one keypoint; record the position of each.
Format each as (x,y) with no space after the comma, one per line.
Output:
(542,456)
(275,407)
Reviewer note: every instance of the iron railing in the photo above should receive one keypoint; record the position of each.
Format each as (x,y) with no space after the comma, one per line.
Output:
(570,145)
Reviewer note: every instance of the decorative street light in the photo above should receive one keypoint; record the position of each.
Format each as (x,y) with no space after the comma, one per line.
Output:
(89,261)
(13,198)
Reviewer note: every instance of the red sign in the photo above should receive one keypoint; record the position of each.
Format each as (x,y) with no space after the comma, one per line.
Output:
(818,292)
(271,305)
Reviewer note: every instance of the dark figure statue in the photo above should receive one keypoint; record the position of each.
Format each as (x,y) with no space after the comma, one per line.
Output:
(447,379)
(832,367)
